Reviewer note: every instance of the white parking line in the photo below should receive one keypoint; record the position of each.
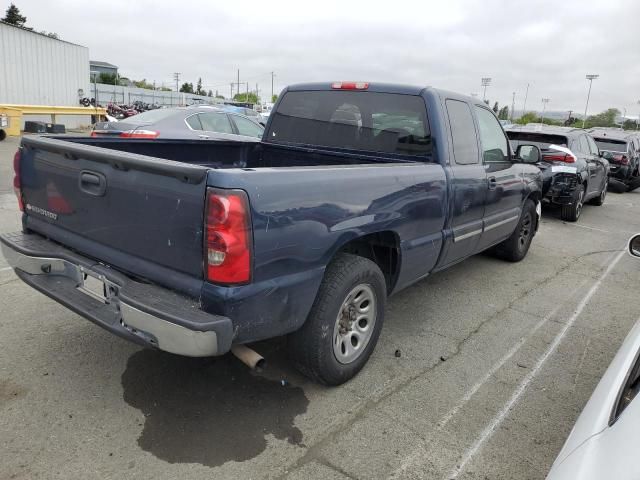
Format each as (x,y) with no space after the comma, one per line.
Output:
(420,452)
(497,420)
(4,269)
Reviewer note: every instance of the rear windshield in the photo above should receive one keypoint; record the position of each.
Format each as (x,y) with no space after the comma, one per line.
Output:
(365,121)
(611,145)
(152,116)
(540,140)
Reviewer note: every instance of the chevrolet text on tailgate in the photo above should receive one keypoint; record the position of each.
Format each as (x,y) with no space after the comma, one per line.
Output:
(356,191)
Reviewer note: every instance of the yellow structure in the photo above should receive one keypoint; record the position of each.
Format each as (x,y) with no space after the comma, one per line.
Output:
(14,113)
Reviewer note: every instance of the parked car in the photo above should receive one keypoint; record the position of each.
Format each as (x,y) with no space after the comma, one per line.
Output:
(605,439)
(622,150)
(194,122)
(304,234)
(573,174)
(246,111)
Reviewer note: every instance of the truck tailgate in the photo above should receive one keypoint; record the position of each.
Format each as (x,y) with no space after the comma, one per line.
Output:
(104,200)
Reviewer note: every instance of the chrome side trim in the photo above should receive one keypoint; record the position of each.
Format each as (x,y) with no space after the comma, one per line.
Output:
(457,238)
(500,223)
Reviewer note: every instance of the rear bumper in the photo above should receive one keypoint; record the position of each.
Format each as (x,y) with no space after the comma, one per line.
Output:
(621,172)
(142,313)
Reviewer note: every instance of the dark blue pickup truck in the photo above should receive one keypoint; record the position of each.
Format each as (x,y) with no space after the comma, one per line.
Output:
(356,191)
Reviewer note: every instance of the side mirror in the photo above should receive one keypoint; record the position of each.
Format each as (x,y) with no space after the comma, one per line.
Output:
(606,155)
(528,154)
(634,246)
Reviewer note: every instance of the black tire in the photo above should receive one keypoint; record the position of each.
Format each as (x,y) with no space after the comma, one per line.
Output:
(599,200)
(633,183)
(3,135)
(515,248)
(311,349)
(571,213)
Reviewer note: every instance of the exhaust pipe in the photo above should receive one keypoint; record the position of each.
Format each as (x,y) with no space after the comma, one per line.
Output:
(250,358)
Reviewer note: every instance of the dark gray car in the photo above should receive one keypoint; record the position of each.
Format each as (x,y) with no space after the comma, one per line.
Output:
(207,123)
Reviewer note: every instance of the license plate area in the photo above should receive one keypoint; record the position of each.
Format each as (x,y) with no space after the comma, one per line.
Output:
(93,286)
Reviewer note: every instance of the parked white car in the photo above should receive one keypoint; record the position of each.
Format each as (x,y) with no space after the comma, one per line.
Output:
(605,441)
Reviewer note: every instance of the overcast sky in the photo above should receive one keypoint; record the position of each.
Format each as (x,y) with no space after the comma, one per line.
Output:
(448,44)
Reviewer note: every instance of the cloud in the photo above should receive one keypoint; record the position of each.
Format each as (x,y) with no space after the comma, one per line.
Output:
(449,44)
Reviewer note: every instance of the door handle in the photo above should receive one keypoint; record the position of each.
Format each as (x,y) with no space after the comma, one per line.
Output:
(203,136)
(92,183)
(492,183)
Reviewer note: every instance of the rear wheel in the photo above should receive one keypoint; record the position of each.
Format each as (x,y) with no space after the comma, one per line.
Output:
(571,212)
(599,200)
(344,324)
(515,247)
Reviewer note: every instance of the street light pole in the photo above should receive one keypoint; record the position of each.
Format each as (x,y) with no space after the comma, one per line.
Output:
(524,105)
(485,82)
(513,106)
(591,78)
(544,107)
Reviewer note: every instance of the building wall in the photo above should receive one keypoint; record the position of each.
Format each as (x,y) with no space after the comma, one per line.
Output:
(39,70)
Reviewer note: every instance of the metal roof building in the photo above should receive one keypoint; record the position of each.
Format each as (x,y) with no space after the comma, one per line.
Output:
(39,70)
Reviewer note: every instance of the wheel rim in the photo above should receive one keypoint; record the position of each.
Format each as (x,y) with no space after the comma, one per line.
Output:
(354,324)
(579,204)
(525,230)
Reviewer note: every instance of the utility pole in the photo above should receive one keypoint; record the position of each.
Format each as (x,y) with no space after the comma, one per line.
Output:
(231,97)
(485,82)
(544,107)
(257,92)
(524,105)
(271,99)
(176,77)
(591,78)
(513,106)
(569,119)
(246,98)
(637,119)
(238,82)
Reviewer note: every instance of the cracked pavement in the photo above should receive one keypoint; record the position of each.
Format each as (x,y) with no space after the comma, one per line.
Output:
(78,403)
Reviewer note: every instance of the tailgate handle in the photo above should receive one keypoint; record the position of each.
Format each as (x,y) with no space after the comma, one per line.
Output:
(93,183)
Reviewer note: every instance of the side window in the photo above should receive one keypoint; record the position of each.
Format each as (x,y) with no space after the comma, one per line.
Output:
(247,127)
(584,144)
(194,122)
(592,145)
(494,142)
(215,122)
(463,132)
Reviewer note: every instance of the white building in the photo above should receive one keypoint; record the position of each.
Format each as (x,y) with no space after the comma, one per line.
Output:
(39,70)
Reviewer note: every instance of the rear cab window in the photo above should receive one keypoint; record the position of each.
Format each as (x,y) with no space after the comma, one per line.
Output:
(611,145)
(354,120)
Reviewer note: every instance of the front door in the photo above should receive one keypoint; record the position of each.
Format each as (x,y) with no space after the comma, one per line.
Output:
(505,181)
(468,185)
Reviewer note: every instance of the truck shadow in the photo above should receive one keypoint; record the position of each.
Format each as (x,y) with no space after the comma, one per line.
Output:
(208,411)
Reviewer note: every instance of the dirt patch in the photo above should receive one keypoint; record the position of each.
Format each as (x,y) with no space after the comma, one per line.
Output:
(10,391)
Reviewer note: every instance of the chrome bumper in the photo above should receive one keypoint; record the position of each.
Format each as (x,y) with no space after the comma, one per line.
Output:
(146,314)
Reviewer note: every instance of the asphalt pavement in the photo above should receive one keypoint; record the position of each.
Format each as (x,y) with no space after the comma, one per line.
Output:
(495,362)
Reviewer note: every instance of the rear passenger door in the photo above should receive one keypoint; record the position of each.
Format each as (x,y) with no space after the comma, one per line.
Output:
(597,169)
(505,183)
(468,185)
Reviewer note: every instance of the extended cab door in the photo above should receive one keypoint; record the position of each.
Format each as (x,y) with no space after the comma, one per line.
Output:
(468,185)
(505,183)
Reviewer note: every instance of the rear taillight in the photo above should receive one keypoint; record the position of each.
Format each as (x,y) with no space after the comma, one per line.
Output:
(227,237)
(621,159)
(17,181)
(349,85)
(559,157)
(94,134)
(139,134)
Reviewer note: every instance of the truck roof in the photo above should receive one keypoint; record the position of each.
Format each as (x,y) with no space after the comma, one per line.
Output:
(381,87)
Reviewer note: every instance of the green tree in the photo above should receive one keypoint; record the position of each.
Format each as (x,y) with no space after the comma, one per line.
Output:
(529,117)
(199,90)
(109,78)
(143,84)
(209,93)
(12,16)
(495,108)
(603,119)
(220,96)
(187,87)
(243,97)
(274,97)
(504,113)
